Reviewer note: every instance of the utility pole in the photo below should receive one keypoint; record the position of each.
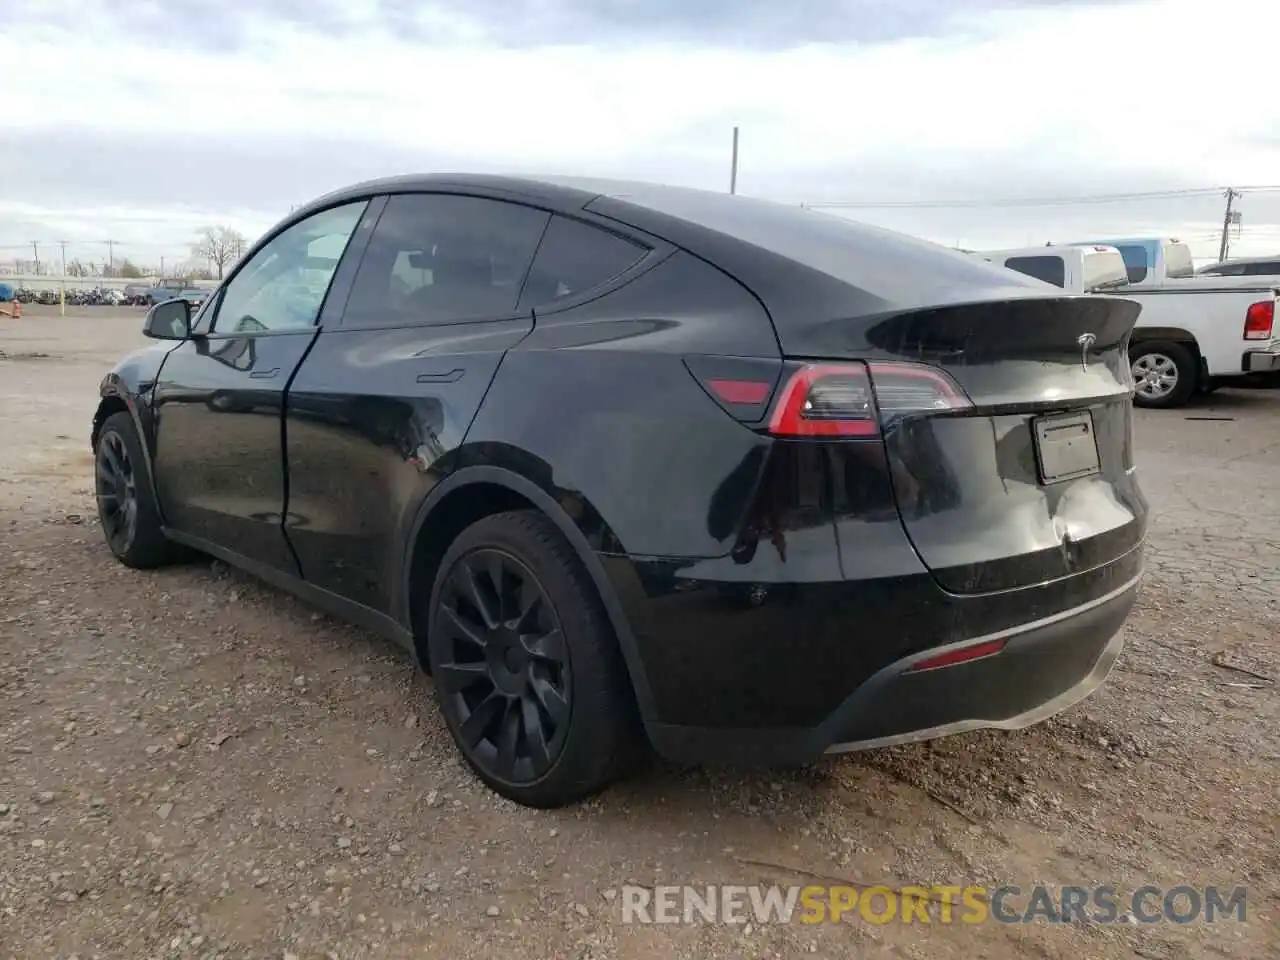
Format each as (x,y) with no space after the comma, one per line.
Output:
(162,268)
(1226,223)
(35,249)
(733,170)
(62,284)
(111,255)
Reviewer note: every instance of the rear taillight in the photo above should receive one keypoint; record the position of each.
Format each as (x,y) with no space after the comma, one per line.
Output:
(1259,319)
(859,399)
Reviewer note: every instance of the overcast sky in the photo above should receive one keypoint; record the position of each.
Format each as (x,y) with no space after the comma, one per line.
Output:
(139,121)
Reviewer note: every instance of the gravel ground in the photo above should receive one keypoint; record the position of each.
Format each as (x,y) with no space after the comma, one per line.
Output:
(194,765)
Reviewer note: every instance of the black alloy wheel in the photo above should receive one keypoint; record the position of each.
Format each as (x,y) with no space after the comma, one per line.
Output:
(116,483)
(504,664)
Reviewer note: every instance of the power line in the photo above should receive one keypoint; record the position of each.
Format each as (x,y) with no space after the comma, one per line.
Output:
(1039,201)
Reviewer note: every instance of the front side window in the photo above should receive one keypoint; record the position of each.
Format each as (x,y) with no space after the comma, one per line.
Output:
(283,285)
(442,258)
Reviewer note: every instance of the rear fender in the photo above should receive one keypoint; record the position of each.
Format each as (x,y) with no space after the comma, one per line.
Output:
(576,519)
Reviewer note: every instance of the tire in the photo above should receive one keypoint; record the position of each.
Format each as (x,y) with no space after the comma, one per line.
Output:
(520,689)
(126,501)
(1152,363)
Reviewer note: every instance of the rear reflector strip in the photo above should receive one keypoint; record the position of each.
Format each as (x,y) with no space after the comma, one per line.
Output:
(741,391)
(975,651)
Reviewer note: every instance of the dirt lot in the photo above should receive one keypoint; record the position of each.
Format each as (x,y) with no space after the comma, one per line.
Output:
(192,765)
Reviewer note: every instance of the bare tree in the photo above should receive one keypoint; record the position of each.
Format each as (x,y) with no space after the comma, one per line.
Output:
(219,246)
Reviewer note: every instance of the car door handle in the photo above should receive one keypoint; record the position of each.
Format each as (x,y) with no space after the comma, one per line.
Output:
(264,374)
(444,376)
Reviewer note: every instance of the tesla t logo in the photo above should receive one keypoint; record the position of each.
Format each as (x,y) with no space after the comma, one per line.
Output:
(1086,340)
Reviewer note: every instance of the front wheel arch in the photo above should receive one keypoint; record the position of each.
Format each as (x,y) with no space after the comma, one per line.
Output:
(537,498)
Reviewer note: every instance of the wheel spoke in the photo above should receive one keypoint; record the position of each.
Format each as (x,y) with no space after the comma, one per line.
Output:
(508,737)
(105,475)
(498,577)
(456,677)
(534,734)
(530,606)
(473,728)
(549,646)
(461,629)
(475,593)
(113,461)
(552,701)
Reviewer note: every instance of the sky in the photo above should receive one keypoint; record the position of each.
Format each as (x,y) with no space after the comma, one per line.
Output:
(139,121)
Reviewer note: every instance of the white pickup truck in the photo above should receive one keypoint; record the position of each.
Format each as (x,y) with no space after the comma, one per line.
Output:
(1077,268)
(1195,334)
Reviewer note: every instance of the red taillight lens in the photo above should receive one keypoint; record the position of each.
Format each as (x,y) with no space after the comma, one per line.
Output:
(826,400)
(975,651)
(1259,319)
(857,399)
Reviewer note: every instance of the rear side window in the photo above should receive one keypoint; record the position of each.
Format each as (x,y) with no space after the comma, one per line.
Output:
(575,257)
(1268,268)
(1225,270)
(441,258)
(1049,269)
(1135,261)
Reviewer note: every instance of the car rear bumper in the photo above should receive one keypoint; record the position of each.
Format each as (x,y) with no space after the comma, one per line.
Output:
(1260,361)
(1044,667)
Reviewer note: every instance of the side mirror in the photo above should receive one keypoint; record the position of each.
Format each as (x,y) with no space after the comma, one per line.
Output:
(170,320)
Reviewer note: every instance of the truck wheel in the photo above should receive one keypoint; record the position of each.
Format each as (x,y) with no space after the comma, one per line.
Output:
(1164,374)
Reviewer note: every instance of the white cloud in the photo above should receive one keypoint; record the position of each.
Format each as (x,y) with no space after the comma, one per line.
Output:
(1055,99)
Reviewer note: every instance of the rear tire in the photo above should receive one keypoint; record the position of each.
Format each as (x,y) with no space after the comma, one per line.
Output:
(1164,374)
(525,664)
(127,506)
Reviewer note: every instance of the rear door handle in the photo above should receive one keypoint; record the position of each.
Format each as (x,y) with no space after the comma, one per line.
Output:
(264,374)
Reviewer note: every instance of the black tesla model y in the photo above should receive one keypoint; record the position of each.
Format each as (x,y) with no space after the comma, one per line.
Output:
(626,465)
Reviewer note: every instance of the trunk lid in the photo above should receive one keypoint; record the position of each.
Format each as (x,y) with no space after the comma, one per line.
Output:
(1034,481)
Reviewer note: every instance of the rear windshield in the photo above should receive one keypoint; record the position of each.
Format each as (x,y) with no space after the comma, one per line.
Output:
(1177,260)
(1104,270)
(1049,269)
(892,266)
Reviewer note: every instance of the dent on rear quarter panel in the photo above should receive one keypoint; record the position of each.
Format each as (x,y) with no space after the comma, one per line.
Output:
(601,394)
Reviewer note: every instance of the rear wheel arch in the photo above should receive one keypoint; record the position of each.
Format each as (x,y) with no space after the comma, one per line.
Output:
(469,495)
(1143,335)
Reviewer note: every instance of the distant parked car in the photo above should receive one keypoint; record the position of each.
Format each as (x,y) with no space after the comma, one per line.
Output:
(135,294)
(1244,267)
(168,290)
(195,296)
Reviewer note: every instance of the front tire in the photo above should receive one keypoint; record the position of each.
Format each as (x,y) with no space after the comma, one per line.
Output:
(126,503)
(1164,374)
(526,666)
